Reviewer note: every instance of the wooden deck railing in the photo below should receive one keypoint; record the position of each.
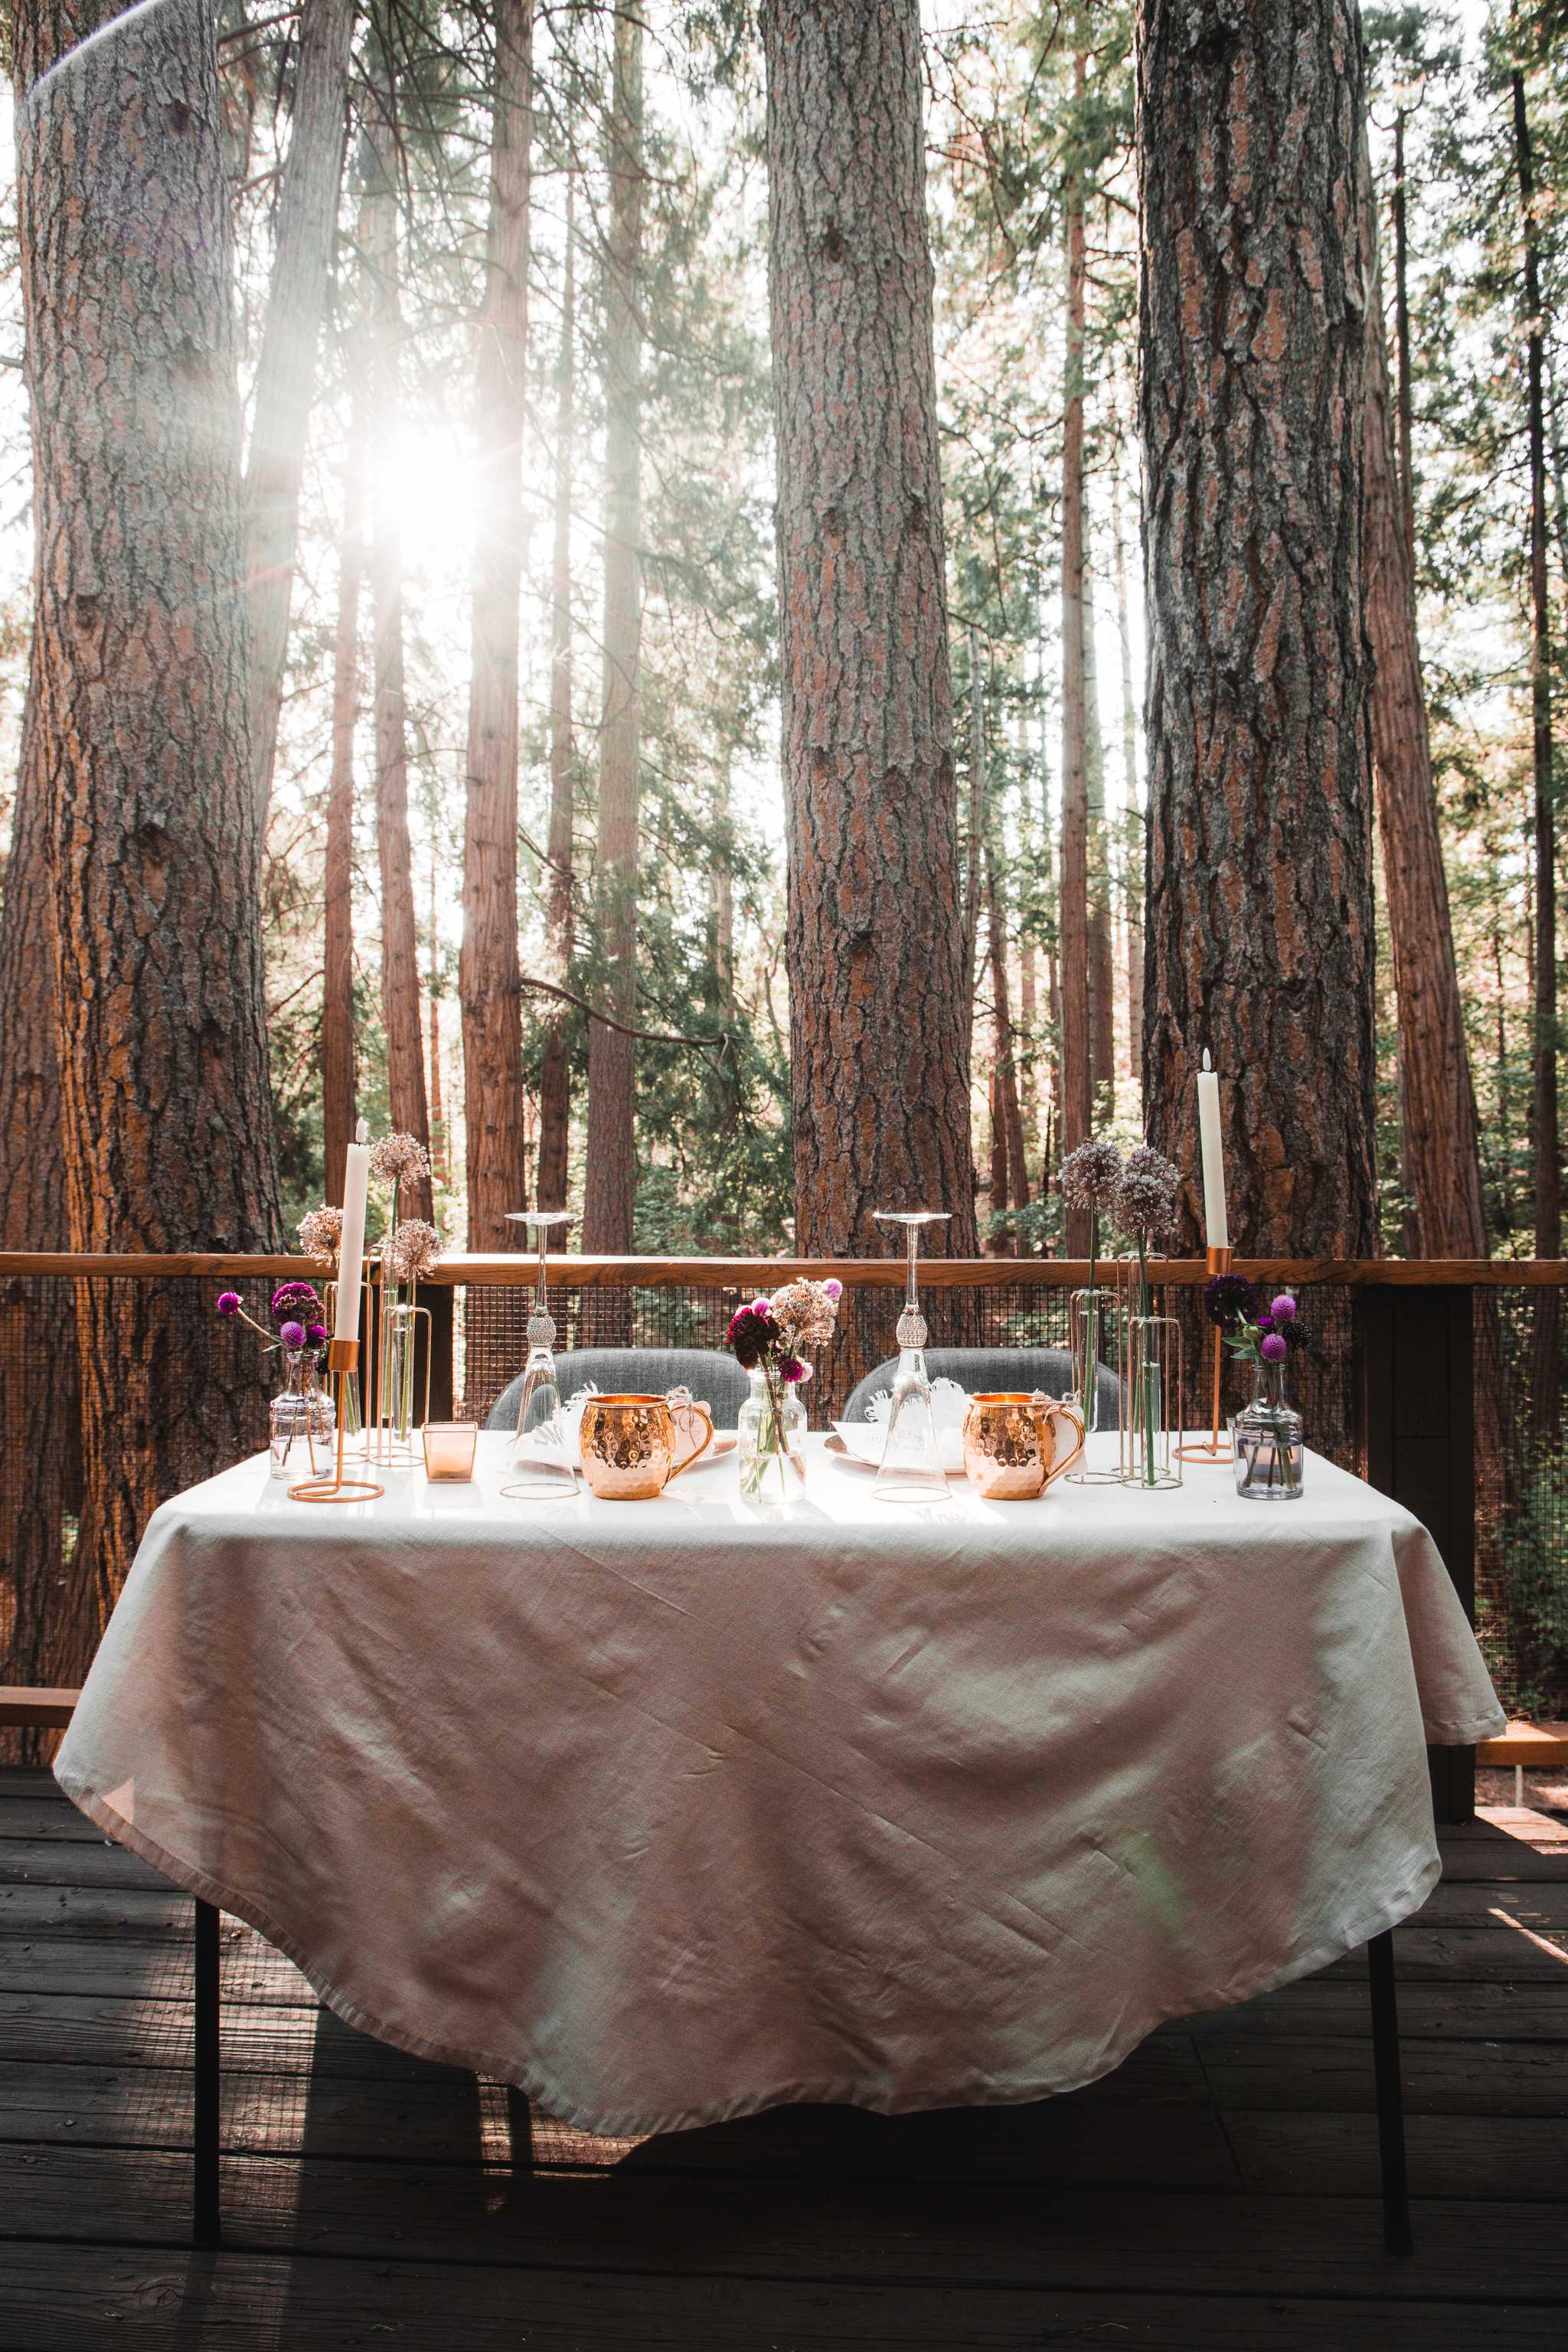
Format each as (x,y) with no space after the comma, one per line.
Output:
(1403,1348)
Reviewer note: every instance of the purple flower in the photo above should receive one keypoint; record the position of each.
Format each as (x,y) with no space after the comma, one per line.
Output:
(834,1288)
(316,1333)
(229,1302)
(793,1369)
(762,1305)
(1283,1309)
(291,1334)
(1229,1299)
(292,1299)
(1272,1347)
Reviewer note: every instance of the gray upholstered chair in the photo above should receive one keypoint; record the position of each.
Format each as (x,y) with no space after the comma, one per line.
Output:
(1046,1369)
(715,1378)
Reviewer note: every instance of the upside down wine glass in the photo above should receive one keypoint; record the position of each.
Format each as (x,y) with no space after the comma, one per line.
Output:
(911,1469)
(540,1465)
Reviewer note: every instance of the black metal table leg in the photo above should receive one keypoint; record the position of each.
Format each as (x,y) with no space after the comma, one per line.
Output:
(1390,2095)
(206,2228)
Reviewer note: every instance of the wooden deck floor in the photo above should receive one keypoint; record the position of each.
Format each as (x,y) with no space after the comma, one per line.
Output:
(1219,2191)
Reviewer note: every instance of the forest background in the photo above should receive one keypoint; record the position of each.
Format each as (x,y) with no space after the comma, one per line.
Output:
(1028,127)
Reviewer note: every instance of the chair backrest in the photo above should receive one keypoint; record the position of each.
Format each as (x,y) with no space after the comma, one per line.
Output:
(975,1368)
(715,1378)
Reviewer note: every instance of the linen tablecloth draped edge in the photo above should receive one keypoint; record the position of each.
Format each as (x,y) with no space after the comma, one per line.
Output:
(557,2102)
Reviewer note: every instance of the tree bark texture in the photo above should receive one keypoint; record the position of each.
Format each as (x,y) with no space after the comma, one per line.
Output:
(286,372)
(559,882)
(1260,919)
(881,994)
(1438,1105)
(488,970)
(399,932)
(139,686)
(1101,958)
(1131,843)
(338,1105)
(610,1186)
(1548,1147)
(1076,1043)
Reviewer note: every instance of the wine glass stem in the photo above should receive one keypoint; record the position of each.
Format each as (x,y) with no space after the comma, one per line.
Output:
(913,1233)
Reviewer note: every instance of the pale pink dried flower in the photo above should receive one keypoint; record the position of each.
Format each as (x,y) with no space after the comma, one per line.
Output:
(322,1234)
(398,1158)
(410,1251)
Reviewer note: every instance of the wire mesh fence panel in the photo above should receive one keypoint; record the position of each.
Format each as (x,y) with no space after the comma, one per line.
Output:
(1521,1507)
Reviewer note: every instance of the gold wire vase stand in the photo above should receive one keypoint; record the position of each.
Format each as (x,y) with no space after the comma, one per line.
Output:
(1096,1350)
(343,1362)
(389,1423)
(1155,1395)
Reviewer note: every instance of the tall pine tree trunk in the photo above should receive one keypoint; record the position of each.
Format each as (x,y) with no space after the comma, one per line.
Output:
(1547,1139)
(139,706)
(1131,844)
(560,909)
(337,1113)
(488,970)
(399,931)
(880,998)
(286,372)
(1076,1039)
(1438,1107)
(1101,958)
(610,1187)
(1251,323)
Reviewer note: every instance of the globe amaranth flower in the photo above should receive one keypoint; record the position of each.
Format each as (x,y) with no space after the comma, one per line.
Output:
(1283,1309)
(1272,1347)
(1090,1176)
(1229,1299)
(291,1334)
(229,1302)
(834,1288)
(316,1334)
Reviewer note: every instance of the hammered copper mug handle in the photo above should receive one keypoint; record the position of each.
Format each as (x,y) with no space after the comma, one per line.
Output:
(691,1404)
(1045,1409)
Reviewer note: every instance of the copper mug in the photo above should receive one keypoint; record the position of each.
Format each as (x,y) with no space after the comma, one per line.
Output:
(1012,1448)
(632,1445)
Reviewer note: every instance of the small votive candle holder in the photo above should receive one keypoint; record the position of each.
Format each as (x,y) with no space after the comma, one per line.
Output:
(449,1451)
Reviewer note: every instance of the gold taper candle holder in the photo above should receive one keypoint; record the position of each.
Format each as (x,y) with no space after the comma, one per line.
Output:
(342,1358)
(1209,1449)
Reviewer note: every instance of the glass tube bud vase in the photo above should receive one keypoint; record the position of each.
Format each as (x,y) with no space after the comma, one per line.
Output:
(1096,1343)
(1266,1438)
(301,1419)
(1152,1399)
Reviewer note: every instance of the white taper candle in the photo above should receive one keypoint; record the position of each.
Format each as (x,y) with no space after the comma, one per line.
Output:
(351,1253)
(1217,1229)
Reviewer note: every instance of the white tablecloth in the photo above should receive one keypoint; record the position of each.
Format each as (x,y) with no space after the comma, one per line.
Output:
(668,1811)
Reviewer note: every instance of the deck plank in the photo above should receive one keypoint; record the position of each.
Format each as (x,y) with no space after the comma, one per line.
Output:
(75,2299)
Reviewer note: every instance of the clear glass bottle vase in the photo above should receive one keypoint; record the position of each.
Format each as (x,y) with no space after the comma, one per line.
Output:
(771,1427)
(1267,1441)
(302,1420)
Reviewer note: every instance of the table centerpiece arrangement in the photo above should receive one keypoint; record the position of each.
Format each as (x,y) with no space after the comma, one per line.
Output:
(301,1416)
(767,1339)
(1145,1206)
(1091,1180)
(1265,1435)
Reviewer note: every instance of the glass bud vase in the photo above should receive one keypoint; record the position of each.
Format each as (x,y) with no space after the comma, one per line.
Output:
(302,1420)
(772,1442)
(1267,1438)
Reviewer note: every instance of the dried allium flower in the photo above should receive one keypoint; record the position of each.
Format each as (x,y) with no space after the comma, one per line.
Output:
(805,1314)
(1146,1198)
(1090,1176)
(410,1251)
(398,1158)
(322,1234)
